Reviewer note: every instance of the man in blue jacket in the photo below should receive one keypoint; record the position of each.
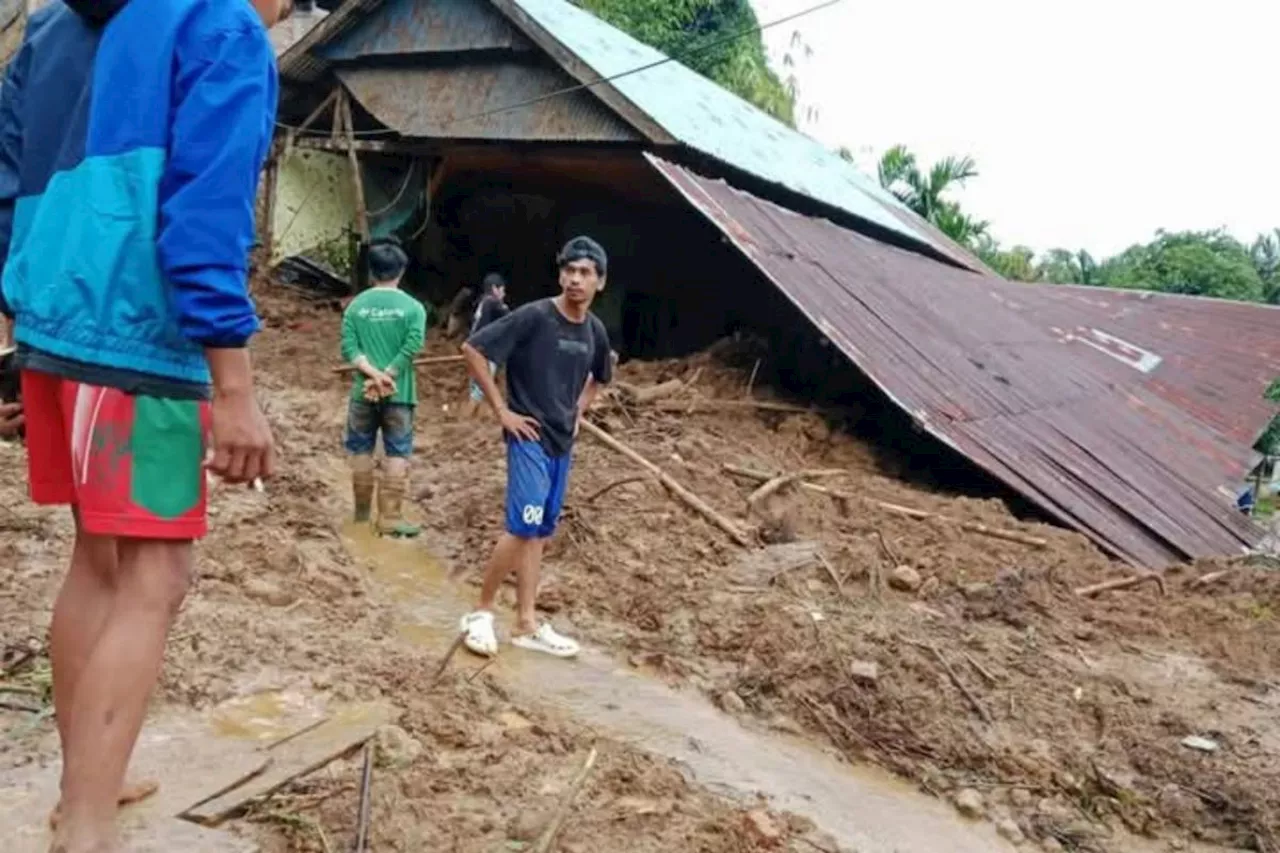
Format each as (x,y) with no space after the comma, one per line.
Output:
(132,133)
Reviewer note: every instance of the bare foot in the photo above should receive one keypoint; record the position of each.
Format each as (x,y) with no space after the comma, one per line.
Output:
(133,792)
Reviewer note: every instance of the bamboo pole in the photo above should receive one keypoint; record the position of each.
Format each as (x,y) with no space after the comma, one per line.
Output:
(694,502)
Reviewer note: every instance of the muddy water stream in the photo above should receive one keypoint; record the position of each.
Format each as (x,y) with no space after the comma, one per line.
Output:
(865,809)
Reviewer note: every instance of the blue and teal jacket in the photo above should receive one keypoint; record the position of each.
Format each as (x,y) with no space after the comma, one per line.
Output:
(132,134)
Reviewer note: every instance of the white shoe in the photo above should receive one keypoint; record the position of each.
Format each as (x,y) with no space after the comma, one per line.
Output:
(480,637)
(547,641)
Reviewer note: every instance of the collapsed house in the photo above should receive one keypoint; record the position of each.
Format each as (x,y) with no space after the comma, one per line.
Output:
(485,132)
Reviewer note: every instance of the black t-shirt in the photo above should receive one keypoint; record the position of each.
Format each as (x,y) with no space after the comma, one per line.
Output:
(490,308)
(548,359)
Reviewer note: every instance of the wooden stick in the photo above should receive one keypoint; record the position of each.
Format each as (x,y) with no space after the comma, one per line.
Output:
(310,119)
(986,676)
(1211,577)
(294,735)
(955,679)
(417,362)
(548,836)
(1121,583)
(689,498)
(772,486)
(831,572)
(473,676)
(696,406)
(898,509)
(635,478)
(366,783)
(448,656)
(752,381)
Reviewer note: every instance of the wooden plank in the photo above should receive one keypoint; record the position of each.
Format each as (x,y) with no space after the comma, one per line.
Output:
(340,734)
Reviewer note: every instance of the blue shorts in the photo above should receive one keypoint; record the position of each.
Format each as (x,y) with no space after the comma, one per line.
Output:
(365,420)
(536,483)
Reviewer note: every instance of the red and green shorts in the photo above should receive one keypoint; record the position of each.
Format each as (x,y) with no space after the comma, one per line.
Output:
(132,466)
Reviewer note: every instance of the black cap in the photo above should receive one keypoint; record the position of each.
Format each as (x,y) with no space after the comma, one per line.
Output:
(584,249)
(493,281)
(387,261)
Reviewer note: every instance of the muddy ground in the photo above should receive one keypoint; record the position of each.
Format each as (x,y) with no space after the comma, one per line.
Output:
(1069,725)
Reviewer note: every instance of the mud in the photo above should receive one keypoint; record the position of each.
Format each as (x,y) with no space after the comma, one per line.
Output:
(1089,700)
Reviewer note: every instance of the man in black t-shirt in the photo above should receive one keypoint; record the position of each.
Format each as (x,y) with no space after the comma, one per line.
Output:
(557,356)
(491,307)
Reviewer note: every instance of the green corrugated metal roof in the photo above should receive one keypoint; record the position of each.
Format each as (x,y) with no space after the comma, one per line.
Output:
(717,123)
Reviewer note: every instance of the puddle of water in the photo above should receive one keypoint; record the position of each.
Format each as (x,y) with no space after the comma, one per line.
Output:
(265,716)
(863,808)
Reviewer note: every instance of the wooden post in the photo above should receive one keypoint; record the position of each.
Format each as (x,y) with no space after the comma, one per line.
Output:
(362,212)
(271,179)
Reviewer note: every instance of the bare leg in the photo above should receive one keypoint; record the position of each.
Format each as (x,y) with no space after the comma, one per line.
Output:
(507,557)
(114,686)
(527,573)
(79,614)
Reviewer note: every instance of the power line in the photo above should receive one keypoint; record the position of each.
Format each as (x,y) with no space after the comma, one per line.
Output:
(731,37)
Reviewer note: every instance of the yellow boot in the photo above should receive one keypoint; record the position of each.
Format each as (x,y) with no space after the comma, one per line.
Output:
(362,483)
(391,493)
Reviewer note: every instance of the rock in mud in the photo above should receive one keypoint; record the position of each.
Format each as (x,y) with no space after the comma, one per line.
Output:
(1051,845)
(527,825)
(969,803)
(905,578)
(1200,744)
(1010,831)
(865,672)
(267,592)
(783,723)
(397,749)
(732,703)
(762,828)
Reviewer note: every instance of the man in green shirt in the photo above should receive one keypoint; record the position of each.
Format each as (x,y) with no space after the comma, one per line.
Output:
(382,330)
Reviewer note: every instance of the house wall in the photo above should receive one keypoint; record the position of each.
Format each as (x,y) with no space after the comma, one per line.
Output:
(314,203)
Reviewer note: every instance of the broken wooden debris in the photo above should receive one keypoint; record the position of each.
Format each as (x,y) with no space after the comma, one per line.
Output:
(424,361)
(771,487)
(1121,583)
(548,837)
(637,395)
(338,736)
(448,656)
(366,785)
(898,509)
(634,478)
(955,679)
(689,498)
(1210,578)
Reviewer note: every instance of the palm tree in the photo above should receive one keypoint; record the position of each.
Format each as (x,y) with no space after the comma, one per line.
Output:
(900,174)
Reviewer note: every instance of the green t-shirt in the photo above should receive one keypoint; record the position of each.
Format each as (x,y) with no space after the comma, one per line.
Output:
(386,326)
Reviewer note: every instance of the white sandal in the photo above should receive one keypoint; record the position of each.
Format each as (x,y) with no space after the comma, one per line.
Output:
(480,637)
(547,641)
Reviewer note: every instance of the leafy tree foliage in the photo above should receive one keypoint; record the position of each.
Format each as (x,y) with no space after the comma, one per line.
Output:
(924,191)
(701,34)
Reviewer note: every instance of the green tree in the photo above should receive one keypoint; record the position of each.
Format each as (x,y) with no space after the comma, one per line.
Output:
(1063,266)
(1197,263)
(697,33)
(1265,256)
(925,191)
(1017,263)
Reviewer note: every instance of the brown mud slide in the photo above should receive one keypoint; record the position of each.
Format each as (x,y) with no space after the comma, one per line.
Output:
(963,663)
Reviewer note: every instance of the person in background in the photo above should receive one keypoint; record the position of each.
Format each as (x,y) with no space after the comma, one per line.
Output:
(557,357)
(382,330)
(491,307)
(132,135)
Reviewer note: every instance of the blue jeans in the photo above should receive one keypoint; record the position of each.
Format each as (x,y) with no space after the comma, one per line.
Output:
(365,420)
(536,485)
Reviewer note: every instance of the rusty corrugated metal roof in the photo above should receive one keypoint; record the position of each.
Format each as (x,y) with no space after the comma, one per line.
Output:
(410,27)
(1093,441)
(423,102)
(292,29)
(1207,357)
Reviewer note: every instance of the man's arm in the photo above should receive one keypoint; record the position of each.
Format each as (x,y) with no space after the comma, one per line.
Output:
(224,104)
(351,351)
(10,160)
(414,338)
(495,343)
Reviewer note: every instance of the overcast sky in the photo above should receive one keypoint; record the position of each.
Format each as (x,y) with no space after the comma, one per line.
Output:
(1093,122)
